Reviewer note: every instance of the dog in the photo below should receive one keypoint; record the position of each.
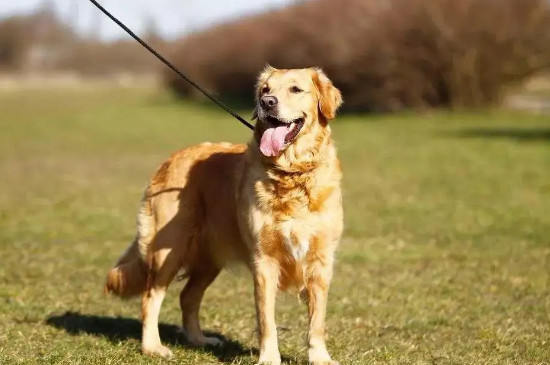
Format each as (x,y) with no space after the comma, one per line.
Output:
(274,204)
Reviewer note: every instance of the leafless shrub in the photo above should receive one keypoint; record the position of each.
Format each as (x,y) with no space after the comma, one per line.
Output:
(384,55)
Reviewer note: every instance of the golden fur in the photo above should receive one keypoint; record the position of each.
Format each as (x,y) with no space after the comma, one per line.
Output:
(212,204)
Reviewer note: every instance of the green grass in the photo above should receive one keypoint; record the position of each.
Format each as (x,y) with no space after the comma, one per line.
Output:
(445,257)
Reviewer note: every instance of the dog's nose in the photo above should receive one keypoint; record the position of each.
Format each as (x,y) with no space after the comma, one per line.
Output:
(268,102)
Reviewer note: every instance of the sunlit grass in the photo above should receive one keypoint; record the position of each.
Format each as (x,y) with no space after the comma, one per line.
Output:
(445,257)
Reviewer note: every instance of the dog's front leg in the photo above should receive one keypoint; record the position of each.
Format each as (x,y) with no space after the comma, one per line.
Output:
(317,285)
(266,280)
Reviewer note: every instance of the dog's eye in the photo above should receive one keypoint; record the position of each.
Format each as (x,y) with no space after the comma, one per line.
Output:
(295,90)
(265,90)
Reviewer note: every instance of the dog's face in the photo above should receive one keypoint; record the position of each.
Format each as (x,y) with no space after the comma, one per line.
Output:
(290,104)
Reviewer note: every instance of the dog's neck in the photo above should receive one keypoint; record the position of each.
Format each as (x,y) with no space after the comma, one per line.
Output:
(305,179)
(293,161)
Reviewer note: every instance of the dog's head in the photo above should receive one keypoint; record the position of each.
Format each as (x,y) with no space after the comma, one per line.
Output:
(291,104)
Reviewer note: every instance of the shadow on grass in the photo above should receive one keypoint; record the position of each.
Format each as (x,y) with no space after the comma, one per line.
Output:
(518,134)
(119,328)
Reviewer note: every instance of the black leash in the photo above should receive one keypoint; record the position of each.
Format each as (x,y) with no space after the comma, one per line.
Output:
(165,61)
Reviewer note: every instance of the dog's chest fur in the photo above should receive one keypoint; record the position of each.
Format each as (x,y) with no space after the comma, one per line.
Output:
(299,208)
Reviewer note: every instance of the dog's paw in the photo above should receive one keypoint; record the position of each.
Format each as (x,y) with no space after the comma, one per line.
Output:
(200,339)
(158,350)
(207,341)
(320,356)
(270,362)
(270,359)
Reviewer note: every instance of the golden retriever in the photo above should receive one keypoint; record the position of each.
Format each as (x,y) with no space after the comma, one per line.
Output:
(274,204)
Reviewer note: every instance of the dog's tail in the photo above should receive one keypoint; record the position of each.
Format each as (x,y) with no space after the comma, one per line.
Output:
(129,276)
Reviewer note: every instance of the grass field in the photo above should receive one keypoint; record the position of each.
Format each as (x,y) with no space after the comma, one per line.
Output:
(445,257)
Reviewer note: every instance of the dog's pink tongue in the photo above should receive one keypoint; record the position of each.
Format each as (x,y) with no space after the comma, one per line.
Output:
(273,140)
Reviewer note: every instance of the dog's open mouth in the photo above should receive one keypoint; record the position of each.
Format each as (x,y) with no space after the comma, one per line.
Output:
(279,134)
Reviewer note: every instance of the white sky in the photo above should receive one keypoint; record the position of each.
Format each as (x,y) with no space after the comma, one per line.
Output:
(172,17)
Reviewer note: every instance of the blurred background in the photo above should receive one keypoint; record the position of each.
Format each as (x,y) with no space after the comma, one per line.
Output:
(383,55)
(444,141)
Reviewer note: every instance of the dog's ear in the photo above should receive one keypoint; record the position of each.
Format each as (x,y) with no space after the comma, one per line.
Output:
(330,97)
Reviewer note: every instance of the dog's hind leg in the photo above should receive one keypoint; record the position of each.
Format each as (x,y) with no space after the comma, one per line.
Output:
(190,301)
(172,245)
(166,268)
